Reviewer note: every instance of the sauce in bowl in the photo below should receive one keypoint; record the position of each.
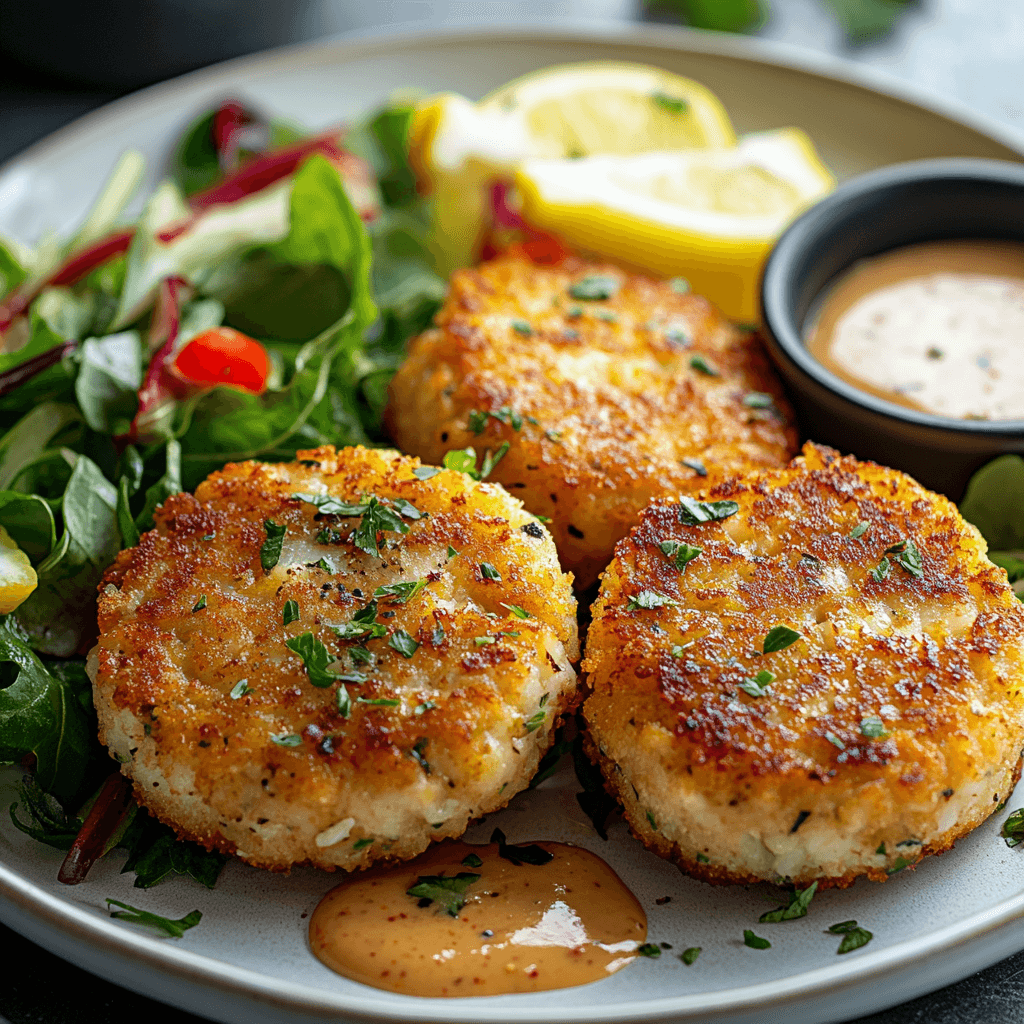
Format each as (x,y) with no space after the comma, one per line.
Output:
(514,925)
(937,326)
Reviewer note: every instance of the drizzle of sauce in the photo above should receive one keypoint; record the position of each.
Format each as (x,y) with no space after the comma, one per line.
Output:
(523,927)
(937,327)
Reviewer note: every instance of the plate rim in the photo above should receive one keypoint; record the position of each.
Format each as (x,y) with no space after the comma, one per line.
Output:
(22,901)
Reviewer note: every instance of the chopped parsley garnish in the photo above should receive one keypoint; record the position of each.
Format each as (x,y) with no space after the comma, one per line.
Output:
(362,624)
(481,641)
(650,599)
(463,460)
(859,530)
(422,709)
(703,859)
(417,753)
(489,572)
(290,612)
(322,564)
(677,336)
(477,421)
(701,365)
(403,643)
(907,556)
(692,512)
(689,956)
(677,649)
(607,316)
(697,466)
(270,550)
(594,288)
(174,928)
(343,702)
(574,312)
(898,865)
(519,613)
(649,949)
(651,821)
(835,740)
(361,844)
(328,535)
(554,435)
(200,604)
(314,656)
(758,685)
(680,554)
(535,721)
(286,739)
(670,104)
(881,850)
(880,571)
(437,637)
(779,638)
(873,727)
(240,689)
(452,553)
(522,327)
(797,907)
(755,941)
(1013,828)
(401,592)
(759,400)
(426,472)
(360,655)
(528,853)
(380,702)
(471,860)
(853,936)
(376,515)
(448,893)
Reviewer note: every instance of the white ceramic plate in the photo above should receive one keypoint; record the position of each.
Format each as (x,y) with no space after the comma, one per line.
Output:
(249,958)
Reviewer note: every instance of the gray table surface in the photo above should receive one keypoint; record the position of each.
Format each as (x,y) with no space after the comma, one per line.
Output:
(969,50)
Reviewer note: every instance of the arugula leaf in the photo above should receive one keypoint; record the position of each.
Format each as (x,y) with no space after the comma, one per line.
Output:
(448,893)
(797,907)
(155,852)
(693,512)
(315,657)
(527,853)
(40,713)
(175,929)
(48,822)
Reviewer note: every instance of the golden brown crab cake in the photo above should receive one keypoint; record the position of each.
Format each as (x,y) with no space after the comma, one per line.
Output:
(830,688)
(298,698)
(610,388)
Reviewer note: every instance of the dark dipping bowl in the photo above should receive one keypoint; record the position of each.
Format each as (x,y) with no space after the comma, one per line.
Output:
(922,201)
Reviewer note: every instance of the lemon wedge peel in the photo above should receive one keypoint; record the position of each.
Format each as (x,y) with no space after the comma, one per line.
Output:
(17,577)
(675,214)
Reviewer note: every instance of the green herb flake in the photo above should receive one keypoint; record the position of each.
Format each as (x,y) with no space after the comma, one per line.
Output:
(908,557)
(797,906)
(650,599)
(477,421)
(651,821)
(873,728)
(697,466)
(174,928)
(677,649)
(290,612)
(519,613)
(680,554)
(692,512)
(758,685)
(240,689)
(283,739)
(417,754)
(574,312)
(703,859)
(701,365)
(400,593)
(481,641)
(362,624)
(522,327)
(362,844)
(328,535)
(880,571)
(594,288)
(200,604)
(649,949)
(759,400)
(835,740)
(360,655)
(452,553)
(519,854)
(489,572)
(898,865)
(422,709)
(881,850)
(859,530)
(679,285)
(853,936)
(314,656)
(426,472)
(535,721)
(689,956)
(670,104)
(779,638)
(1013,828)
(379,702)
(403,643)
(448,893)
(270,551)
(471,860)
(755,941)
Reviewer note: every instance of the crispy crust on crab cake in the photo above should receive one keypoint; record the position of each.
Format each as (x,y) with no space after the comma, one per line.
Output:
(607,402)
(891,727)
(451,686)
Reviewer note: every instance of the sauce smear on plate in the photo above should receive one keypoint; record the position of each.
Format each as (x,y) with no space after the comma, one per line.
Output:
(937,327)
(481,921)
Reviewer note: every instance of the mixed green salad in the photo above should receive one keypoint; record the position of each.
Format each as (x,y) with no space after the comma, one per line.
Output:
(292,268)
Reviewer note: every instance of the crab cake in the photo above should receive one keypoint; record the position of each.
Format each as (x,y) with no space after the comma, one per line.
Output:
(336,660)
(807,674)
(610,389)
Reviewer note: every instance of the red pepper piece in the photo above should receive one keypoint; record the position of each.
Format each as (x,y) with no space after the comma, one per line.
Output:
(102,821)
(223,355)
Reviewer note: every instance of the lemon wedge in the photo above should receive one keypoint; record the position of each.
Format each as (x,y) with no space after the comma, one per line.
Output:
(708,215)
(459,148)
(17,577)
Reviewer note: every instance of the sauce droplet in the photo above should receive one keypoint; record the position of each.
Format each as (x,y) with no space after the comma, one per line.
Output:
(476,929)
(937,327)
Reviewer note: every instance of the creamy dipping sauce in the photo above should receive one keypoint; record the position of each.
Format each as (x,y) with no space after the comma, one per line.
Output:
(937,327)
(522,928)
